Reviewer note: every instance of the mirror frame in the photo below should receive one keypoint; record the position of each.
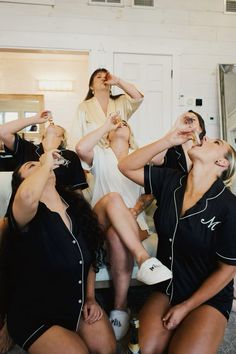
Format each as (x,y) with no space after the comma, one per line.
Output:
(222,110)
(226,133)
(27,97)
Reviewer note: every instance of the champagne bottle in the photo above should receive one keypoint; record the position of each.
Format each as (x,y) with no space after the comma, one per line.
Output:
(133,346)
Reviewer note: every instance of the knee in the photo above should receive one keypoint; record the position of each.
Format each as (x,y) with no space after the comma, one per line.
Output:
(151,350)
(112,236)
(112,199)
(110,348)
(151,347)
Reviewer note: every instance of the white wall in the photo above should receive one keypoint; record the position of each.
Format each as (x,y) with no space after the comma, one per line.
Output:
(20,73)
(197,33)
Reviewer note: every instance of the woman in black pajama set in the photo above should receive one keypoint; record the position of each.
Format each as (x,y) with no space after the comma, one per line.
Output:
(51,250)
(196,222)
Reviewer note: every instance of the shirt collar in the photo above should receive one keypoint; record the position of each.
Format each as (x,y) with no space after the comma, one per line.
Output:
(213,192)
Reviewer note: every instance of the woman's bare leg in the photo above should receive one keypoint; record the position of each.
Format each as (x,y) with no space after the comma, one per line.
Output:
(58,340)
(112,211)
(121,266)
(99,336)
(153,337)
(200,332)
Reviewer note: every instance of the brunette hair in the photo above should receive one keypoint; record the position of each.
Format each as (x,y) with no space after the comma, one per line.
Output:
(89,226)
(90,93)
(201,123)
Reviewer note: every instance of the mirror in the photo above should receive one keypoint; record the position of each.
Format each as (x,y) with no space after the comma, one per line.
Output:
(227,98)
(22,106)
(17,106)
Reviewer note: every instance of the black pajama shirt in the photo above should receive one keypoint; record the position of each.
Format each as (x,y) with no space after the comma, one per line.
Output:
(192,245)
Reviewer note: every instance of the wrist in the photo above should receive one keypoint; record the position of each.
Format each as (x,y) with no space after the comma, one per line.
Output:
(136,211)
(46,166)
(90,298)
(168,141)
(189,305)
(31,121)
(117,81)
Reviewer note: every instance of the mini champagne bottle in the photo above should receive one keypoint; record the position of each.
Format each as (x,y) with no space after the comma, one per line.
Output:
(133,346)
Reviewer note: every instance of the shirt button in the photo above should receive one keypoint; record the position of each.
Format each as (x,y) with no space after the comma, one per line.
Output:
(170,239)
(79,301)
(80,281)
(80,262)
(73,241)
(170,258)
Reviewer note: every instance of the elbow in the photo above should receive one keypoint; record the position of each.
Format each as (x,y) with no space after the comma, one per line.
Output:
(157,162)
(28,198)
(80,150)
(122,166)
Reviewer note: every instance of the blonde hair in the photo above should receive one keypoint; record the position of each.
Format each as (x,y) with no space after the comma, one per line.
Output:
(104,142)
(227,175)
(63,143)
(64,137)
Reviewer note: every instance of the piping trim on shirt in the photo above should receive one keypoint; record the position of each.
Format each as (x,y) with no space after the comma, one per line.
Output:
(82,303)
(36,150)
(71,227)
(32,335)
(229,258)
(179,155)
(150,179)
(177,221)
(172,244)
(79,184)
(207,199)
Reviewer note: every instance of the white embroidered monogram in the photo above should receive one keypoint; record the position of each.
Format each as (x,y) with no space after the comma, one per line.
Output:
(211,223)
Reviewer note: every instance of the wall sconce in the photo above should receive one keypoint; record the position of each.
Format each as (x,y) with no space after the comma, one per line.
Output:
(55,85)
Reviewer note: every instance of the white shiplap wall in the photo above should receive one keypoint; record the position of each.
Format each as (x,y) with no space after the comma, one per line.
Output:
(197,33)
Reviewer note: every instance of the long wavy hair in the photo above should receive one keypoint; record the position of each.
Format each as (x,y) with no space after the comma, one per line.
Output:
(89,226)
(91,230)
(90,92)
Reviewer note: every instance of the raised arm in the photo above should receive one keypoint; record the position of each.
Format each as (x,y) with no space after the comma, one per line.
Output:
(128,88)
(180,121)
(28,195)
(85,146)
(8,130)
(132,165)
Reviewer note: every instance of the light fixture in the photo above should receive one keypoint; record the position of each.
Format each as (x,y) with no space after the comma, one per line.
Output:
(55,85)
